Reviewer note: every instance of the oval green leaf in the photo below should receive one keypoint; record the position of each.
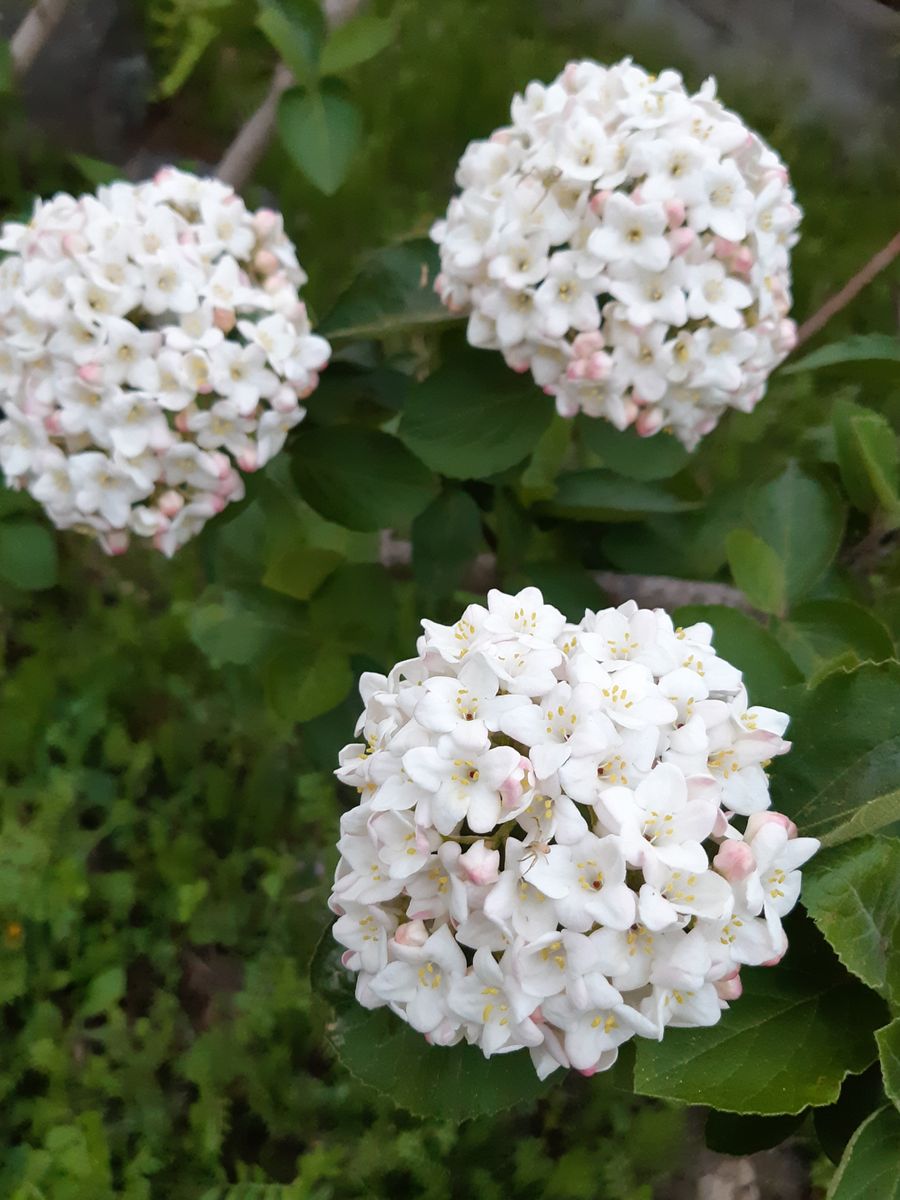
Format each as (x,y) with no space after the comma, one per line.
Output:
(597,495)
(474,418)
(842,778)
(870,1168)
(360,478)
(757,570)
(321,131)
(657,457)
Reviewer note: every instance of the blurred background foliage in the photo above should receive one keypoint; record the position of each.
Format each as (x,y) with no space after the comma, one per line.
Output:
(167,731)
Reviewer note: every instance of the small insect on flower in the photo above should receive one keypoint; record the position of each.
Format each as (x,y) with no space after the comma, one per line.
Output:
(563,837)
(154,347)
(629,244)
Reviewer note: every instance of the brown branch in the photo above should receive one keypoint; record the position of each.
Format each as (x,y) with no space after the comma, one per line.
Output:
(850,291)
(650,591)
(243,155)
(36,27)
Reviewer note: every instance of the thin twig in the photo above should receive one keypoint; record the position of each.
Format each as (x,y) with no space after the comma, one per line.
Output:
(850,291)
(243,155)
(650,591)
(36,27)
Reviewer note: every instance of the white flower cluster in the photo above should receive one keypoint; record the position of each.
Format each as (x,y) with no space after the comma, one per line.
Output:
(628,243)
(153,345)
(562,838)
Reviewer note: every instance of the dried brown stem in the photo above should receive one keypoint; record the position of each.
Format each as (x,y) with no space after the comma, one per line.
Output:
(878,263)
(36,27)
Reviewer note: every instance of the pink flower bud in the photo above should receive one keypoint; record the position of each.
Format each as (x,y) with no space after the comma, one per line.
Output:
(276,282)
(248,460)
(413,933)
(577,369)
(309,387)
(586,344)
(519,782)
(675,212)
(756,822)
(224,319)
(480,865)
(265,262)
(90,373)
(52,425)
(599,366)
(723,248)
(587,1072)
(637,196)
(116,543)
(649,421)
(181,422)
(730,987)
(681,239)
(773,962)
(631,411)
(734,861)
(598,202)
(742,261)
(221,463)
(265,222)
(787,336)
(170,503)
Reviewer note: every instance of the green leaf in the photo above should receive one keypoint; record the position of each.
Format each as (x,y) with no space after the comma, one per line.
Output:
(361,478)
(821,631)
(450,1083)
(199,34)
(357,42)
(870,1168)
(596,495)
(730,1133)
(862,347)
(299,570)
(474,418)
(95,170)
(539,477)
(393,293)
(624,452)
(296,28)
(786,1044)
(302,680)
(842,778)
(766,668)
(354,609)
(445,538)
(853,896)
(322,131)
(888,1040)
(802,519)
(232,627)
(104,991)
(28,557)
(868,457)
(757,571)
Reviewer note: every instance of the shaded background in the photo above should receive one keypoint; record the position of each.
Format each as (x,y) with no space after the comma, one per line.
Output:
(167,836)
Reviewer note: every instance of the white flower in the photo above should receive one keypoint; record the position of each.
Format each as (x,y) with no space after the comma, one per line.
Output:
(618,203)
(138,325)
(632,233)
(548,851)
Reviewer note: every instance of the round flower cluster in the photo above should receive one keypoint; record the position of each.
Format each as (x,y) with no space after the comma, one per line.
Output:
(628,243)
(562,838)
(153,345)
